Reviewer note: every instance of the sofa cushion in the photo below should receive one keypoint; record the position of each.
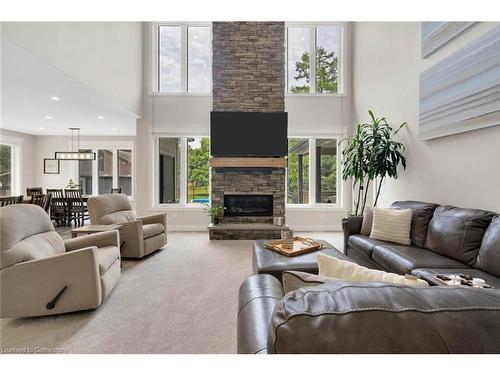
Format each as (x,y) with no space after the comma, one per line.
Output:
(403,259)
(422,215)
(457,232)
(293,280)
(364,244)
(488,258)
(429,272)
(106,256)
(391,225)
(150,230)
(345,270)
(366,226)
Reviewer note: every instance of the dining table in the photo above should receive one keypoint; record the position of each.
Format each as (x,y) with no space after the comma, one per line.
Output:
(67,201)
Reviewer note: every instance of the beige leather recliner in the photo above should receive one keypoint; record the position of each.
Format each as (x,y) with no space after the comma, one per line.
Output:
(41,274)
(140,236)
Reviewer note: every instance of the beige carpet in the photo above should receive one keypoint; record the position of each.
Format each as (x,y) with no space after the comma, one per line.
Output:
(182,299)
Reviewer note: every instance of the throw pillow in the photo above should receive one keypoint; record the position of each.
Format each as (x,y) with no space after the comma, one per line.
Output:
(293,280)
(366,226)
(341,269)
(391,225)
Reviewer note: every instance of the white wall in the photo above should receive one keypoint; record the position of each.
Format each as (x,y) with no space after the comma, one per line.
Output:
(462,169)
(106,56)
(28,157)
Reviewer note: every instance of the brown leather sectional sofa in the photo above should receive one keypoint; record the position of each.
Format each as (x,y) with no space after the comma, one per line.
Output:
(345,317)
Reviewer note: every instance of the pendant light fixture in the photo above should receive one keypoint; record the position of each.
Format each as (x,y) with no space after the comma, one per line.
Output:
(74,154)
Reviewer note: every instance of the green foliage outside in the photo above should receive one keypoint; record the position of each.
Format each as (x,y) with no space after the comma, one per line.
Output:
(326,72)
(5,172)
(198,170)
(328,177)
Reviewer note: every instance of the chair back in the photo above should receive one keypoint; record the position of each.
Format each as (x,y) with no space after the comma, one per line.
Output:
(42,200)
(116,190)
(110,209)
(75,195)
(6,201)
(34,191)
(57,203)
(27,233)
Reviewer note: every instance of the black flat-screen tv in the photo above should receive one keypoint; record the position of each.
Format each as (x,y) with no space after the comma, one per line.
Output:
(246,134)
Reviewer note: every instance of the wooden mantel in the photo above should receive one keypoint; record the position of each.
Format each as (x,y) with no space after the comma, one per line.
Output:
(249,162)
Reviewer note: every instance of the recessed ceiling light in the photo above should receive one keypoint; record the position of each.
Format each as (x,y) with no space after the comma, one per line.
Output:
(115,128)
(55,98)
(42,128)
(48,117)
(100,117)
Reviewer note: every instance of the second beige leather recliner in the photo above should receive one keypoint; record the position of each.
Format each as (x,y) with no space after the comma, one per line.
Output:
(140,236)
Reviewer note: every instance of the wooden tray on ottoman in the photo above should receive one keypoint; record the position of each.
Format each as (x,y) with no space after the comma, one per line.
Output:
(300,246)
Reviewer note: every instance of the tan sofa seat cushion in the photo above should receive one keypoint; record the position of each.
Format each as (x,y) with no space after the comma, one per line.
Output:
(38,246)
(106,256)
(151,230)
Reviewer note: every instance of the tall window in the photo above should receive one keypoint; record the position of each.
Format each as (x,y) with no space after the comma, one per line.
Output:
(183,170)
(85,175)
(198,174)
(169,170)
(124,167)
(113,168)
(105,171)
(298,171)
(313,59)
(184,58)
(326,170)
(6,170)
(312,171)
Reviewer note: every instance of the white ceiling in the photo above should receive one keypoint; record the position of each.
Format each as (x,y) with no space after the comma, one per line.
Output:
(27,85)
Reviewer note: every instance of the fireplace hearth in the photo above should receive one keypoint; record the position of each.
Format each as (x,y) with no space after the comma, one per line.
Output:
(248,205)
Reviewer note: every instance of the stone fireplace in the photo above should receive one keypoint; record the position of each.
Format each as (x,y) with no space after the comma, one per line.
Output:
(248,76)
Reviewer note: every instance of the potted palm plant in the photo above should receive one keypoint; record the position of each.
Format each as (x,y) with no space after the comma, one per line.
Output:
(371,154)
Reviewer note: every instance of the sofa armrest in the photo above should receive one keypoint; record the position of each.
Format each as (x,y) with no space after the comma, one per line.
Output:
(28,287)
(108,238)
(257,298)
(155,218)
(351,225)
(344,317)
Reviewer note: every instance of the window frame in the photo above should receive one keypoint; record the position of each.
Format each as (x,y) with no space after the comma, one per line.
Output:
(114,147)
(312,176)
(155,55)
(312,63)
(183,194)
(16,162)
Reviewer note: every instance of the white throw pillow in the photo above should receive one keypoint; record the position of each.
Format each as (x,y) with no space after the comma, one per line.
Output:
(349,271)
(391,225)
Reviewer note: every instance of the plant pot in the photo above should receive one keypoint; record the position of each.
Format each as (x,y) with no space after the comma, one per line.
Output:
(215,220)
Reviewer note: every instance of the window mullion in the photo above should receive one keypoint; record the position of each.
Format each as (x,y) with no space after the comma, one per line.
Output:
(95,174)
(184,58)
(115,168)
(312,60)
(312,171)
(183,172)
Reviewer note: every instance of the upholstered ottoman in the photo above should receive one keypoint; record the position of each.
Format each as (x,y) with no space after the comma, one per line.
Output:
(269,262)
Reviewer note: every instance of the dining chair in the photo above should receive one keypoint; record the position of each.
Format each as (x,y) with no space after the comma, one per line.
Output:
(42,200)
(30,192)
(77,209)
(58,206)
(116,190)
(6,201)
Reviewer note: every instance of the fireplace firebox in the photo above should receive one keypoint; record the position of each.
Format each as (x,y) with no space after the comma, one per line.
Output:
(248,205)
